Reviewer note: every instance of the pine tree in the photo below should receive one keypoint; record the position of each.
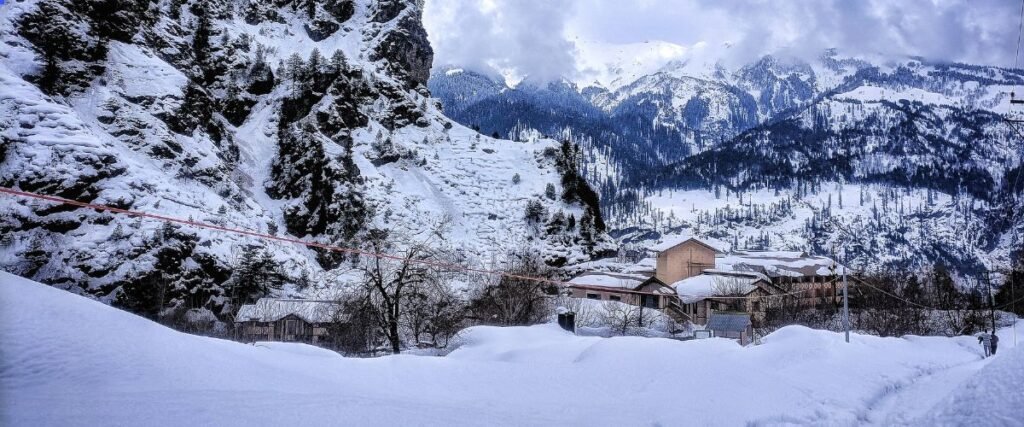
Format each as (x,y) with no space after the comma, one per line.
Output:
(295,67)
(201,36)
(586,227)
(254,276)
(556,223)
(338,63)
(549,191)
(315,64)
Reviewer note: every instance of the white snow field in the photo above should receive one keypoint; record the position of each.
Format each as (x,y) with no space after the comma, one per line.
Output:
(66,360)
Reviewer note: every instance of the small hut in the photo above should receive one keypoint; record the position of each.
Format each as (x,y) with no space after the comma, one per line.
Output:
(272,319)
(731,325)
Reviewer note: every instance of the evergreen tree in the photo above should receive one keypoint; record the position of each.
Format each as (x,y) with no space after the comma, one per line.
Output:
(201,35)
(295,67)
(556,223)
(549,191)
(338,63)
(255,275)
(316,63)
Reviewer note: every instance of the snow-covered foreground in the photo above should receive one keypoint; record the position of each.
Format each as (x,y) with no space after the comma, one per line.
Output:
(66,360)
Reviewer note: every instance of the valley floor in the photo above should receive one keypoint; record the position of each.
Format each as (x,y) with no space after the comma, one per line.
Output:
(65,360)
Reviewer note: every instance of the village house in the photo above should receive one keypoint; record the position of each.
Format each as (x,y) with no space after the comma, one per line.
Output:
(677,260)
(691,279)
(725,291)
(640,289)
(289,320)
(814,280)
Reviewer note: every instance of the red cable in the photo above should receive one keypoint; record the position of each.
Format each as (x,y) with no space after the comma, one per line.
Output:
(250,233)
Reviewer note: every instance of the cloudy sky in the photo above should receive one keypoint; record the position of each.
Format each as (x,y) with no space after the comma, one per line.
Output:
(549,38)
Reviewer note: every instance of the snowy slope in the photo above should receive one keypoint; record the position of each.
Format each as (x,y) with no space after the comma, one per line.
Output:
(309,119)
(77,362)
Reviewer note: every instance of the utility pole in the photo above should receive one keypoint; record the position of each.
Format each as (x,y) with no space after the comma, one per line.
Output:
(846,294)
(846,303)
(991,301)
(1013,303)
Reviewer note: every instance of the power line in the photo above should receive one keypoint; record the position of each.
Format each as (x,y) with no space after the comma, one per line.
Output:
(1020,31)
(258,235)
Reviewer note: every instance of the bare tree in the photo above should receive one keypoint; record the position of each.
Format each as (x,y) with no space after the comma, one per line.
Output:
(510,300)
(732,290)
(434,309)
(585,314)
(354,328)
(389,282)
(623,319)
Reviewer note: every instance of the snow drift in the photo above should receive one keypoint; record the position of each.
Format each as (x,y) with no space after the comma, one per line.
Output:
(66,360)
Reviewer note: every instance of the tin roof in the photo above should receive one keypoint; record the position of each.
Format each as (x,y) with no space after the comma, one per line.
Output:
(273,309)
(728,322)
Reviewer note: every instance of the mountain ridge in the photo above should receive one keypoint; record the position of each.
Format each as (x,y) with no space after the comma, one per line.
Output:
(909,126)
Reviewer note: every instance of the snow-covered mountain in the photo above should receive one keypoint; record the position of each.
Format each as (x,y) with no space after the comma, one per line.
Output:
(897,162)
(305,118)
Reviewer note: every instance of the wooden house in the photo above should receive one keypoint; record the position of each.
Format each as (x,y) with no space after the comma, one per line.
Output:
(815,280)
(289,320)
(637,289)
(724,291)
(682,258)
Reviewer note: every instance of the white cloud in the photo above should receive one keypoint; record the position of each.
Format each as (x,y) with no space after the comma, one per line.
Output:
(525,37)
(537,37)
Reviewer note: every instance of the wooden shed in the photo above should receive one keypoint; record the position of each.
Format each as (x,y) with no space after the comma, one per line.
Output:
(272,319)
(731,325)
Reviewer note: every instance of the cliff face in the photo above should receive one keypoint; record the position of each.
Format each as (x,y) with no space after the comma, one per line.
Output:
(305,118)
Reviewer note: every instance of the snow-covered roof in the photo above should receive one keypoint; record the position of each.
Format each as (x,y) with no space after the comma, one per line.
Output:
(723,272)
(696,288)
(273,309)
(644,266)
(609,280)
(778,263)
(673,241)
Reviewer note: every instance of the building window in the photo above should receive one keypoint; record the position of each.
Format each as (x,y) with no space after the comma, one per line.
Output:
(593,296)
(614,298)
(756,305)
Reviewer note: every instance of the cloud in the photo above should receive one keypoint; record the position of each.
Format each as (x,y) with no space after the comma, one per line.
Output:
(536,37)
(525,37)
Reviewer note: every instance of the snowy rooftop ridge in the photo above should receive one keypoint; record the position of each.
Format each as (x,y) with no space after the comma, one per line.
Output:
(779,263)
(609,280)
(673,241)
(696,288)
(274,309)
